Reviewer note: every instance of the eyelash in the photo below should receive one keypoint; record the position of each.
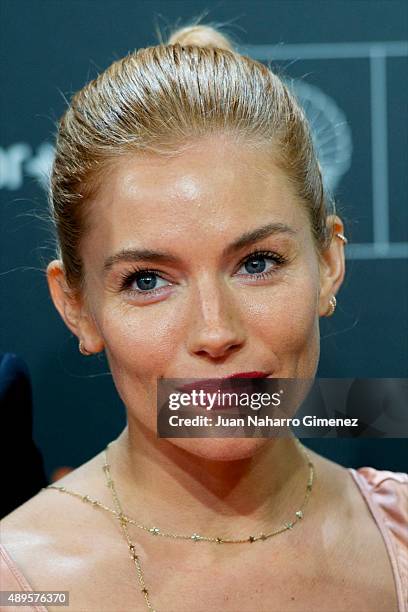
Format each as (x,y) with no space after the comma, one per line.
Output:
(127,278)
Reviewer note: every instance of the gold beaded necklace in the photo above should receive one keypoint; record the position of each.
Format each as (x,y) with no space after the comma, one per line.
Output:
(125,520)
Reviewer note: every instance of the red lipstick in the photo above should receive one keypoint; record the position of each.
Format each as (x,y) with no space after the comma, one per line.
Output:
(212,384)
(255,374)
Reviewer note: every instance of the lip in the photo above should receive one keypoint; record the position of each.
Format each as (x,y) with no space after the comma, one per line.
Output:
(255,374)
(211,385)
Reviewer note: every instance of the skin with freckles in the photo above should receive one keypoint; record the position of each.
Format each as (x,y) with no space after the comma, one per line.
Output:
(200,266)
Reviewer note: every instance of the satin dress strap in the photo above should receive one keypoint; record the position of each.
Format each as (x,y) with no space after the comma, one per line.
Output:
(12,579)
(386,495)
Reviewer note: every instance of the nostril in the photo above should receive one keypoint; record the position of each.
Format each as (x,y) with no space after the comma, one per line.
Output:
(219,353)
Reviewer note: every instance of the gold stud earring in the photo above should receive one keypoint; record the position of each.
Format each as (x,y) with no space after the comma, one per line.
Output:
(83,350)
(342,237)
(332,306)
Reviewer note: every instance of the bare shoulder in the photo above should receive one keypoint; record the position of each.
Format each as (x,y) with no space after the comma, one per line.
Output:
(52,528)
(360,557)
(34,513)
(60,543)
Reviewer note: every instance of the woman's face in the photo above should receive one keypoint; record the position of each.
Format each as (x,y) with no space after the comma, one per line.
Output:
(201,266)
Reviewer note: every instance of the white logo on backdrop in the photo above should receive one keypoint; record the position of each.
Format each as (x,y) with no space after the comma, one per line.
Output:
(331,132)
(20,160)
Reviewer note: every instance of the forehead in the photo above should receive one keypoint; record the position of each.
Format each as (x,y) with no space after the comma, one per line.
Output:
(215,185)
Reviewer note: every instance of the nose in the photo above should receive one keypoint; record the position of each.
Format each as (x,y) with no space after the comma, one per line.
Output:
(216,328)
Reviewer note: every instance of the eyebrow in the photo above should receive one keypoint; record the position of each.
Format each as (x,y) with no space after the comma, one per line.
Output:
(246,239)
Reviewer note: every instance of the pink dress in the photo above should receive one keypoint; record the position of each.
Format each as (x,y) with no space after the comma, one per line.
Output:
(386,495)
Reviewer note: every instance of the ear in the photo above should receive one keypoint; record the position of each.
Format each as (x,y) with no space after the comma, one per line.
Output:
(332,265)
(72,308)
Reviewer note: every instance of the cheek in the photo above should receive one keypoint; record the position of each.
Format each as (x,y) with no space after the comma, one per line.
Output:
(139,341)
(285,321)
(288,312)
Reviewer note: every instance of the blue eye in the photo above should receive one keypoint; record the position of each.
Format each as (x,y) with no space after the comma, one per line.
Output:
(145,280)
(256,264)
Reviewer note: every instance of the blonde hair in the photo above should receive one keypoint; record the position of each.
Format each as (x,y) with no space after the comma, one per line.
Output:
(159,99)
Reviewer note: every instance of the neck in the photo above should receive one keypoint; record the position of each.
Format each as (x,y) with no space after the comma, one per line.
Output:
(161,484)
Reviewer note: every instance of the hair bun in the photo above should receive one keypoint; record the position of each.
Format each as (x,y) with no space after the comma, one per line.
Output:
(201,36)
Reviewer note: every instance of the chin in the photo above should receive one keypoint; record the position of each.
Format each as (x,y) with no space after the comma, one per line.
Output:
(221,449)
